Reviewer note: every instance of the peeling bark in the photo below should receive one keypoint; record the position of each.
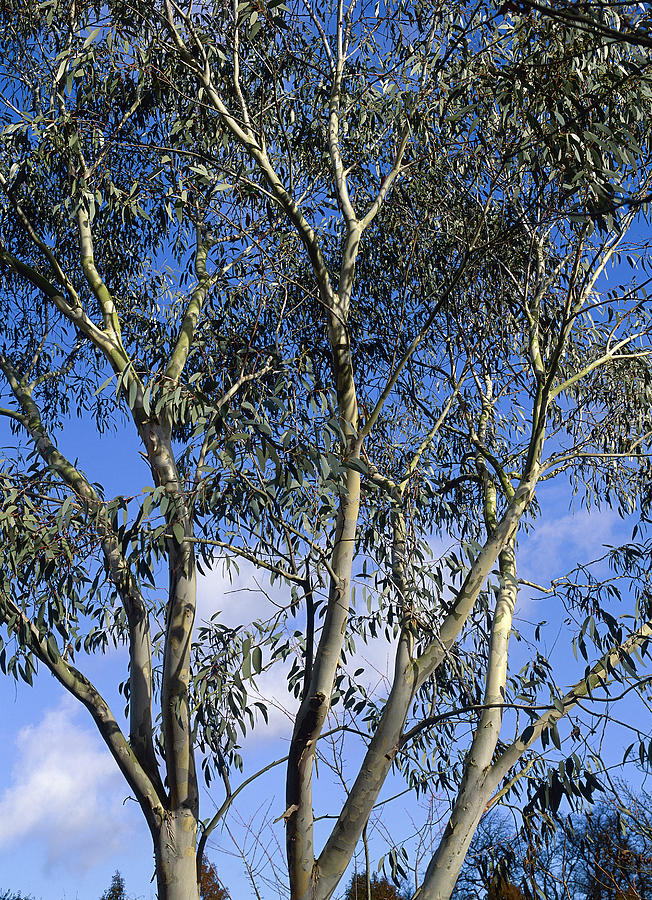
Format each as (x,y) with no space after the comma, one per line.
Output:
(174,851)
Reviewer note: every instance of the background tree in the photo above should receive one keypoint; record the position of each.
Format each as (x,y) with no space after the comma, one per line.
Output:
(210,886)
(501,888)
(600,854)
(614,861)
(343,271)
(377,887)
(116,891)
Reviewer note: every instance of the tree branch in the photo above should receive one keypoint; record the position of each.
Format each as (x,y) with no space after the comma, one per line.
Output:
(118,569)
(151,802)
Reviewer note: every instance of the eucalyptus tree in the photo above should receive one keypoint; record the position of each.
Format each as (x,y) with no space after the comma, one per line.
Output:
(482,183)
(101,277)
(342,269)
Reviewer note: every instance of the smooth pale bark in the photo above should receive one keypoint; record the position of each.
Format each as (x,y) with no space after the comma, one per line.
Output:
(179,753)
(478,780)
(385,742)
(174,851)
(316,703)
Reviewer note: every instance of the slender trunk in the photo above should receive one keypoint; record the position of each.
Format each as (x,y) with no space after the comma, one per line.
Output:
(314,708)
(178,747)
(177,738)
(379,757)
(444,869)
(174,851)
(175,838)
(479,778)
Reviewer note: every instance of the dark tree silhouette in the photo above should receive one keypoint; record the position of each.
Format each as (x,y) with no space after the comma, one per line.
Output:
(381,889)
(603,854)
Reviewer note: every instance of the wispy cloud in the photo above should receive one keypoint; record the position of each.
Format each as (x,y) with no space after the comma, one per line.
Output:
(240,595)
(558,544)
(243,596)
(65,792)
(246,595)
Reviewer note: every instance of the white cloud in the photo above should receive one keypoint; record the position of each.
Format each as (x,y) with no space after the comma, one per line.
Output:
(242,597)
(558,544)
(65,792)
(247,595)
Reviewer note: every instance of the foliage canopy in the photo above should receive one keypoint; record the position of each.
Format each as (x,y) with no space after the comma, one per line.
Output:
(339,269)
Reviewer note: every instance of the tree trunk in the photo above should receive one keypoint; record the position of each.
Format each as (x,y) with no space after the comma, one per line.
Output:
(176,863)
(444,869)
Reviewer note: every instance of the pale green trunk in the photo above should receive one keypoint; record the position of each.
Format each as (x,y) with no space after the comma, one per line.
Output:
(176,865)
(444,869)
(479,779)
